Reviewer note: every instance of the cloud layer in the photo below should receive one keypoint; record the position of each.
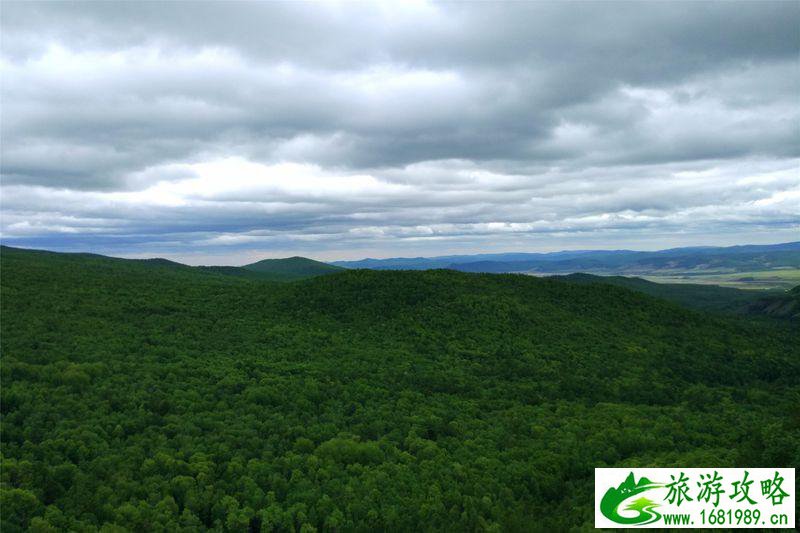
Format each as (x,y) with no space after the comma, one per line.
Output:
(226,132)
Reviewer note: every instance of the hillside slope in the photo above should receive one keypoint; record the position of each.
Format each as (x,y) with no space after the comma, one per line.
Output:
(786,305)
(151,397)
(694,296)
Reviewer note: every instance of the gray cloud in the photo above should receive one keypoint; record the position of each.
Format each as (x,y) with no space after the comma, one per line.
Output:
(275,126)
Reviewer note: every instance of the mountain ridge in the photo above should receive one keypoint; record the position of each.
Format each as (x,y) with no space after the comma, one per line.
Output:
(452,261)
(280,270)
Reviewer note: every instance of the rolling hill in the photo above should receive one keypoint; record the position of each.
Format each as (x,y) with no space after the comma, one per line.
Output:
(702,297)
(143,396)
(292,268)
(279,270)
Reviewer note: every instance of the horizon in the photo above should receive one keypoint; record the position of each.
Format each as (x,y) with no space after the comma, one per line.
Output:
(333,261)
(402,130)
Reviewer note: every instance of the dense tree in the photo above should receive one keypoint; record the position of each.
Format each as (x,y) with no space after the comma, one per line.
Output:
(147,397)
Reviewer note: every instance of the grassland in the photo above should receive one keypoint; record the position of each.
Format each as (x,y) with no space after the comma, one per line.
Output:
(784,278)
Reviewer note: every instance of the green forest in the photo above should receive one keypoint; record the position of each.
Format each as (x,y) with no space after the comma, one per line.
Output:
(149,396)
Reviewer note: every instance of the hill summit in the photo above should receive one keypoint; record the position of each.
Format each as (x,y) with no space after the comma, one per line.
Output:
(293,267)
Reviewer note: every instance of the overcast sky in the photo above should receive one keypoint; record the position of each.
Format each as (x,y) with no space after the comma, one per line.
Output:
(225,133)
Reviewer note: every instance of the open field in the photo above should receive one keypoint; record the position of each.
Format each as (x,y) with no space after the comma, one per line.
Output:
(759,279)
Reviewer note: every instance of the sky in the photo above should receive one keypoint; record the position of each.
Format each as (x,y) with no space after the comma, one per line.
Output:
(224,133)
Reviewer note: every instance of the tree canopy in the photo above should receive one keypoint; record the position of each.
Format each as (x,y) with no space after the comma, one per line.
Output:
(143,397)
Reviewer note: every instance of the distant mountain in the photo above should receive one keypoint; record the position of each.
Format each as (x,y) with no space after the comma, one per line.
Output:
(448,261)
(629,262)
(292,268)
(643,263)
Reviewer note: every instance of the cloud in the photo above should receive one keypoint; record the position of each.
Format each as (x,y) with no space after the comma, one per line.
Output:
(266,127)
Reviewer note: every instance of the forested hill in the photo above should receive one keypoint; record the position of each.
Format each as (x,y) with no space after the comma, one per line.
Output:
(146,397)
(293,268)
(707,297)
(281,270)
(786,305)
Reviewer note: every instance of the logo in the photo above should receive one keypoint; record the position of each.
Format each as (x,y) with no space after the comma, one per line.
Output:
(643,507)
(730,498)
